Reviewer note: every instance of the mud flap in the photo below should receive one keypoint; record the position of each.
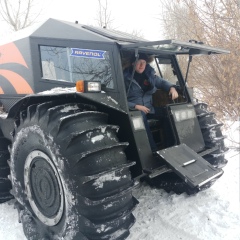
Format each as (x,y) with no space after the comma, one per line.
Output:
(188,165)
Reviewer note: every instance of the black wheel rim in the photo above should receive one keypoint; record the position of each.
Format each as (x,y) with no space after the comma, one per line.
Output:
(43,188)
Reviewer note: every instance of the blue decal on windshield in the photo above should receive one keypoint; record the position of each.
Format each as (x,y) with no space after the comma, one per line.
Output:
(87,53)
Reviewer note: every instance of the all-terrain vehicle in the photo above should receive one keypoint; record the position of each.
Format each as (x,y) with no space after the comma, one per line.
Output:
(71,152)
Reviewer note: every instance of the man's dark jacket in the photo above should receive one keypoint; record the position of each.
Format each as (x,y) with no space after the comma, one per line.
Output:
(136,95)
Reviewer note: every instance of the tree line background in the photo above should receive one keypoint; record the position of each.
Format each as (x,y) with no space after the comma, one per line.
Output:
(217,23)
(214,22)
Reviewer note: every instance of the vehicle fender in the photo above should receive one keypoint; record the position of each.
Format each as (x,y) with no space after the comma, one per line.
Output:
(101,100)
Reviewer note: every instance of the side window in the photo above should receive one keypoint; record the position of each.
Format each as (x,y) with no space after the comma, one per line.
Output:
(55,63)
(73,64)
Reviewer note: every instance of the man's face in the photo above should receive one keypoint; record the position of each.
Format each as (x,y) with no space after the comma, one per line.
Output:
(140,66)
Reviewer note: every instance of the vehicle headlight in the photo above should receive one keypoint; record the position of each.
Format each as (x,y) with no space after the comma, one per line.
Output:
(184,115)
(138,123)
(88,86)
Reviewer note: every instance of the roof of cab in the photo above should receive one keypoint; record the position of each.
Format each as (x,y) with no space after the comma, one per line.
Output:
(58,29)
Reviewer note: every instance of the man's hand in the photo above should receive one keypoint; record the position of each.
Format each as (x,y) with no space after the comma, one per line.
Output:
(142,108)
(173,93)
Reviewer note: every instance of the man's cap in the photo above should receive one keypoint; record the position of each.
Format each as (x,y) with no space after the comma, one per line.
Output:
(144,56)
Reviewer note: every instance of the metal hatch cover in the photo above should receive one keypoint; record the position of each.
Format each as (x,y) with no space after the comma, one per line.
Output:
(176,47)
(188,165)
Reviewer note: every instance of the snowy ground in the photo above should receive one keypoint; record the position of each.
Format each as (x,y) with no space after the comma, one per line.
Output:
(210,215)
(213,214)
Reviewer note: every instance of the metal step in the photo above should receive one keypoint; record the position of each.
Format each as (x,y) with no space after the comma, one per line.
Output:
(189,165)
(159,171)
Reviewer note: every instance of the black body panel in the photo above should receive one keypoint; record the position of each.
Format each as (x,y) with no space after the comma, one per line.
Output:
(186,126)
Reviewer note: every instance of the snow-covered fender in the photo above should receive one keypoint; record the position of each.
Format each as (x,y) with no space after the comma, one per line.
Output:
(97,99)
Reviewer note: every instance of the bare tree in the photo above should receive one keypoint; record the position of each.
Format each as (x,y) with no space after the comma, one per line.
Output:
(104,14)
(19,14)
(216,23)
(105,20)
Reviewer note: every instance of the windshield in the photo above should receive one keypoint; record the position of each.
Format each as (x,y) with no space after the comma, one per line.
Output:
(163,66)
(175,47)
(164,69)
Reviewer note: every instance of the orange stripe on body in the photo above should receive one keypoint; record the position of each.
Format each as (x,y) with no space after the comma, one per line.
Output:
(1,91)
(9,53)
(18,82)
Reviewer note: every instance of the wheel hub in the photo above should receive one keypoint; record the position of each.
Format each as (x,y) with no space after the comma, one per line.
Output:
(43,188)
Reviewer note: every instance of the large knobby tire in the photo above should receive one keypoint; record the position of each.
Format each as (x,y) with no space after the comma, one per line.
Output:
(213,137)
(5,184)
(70,174)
